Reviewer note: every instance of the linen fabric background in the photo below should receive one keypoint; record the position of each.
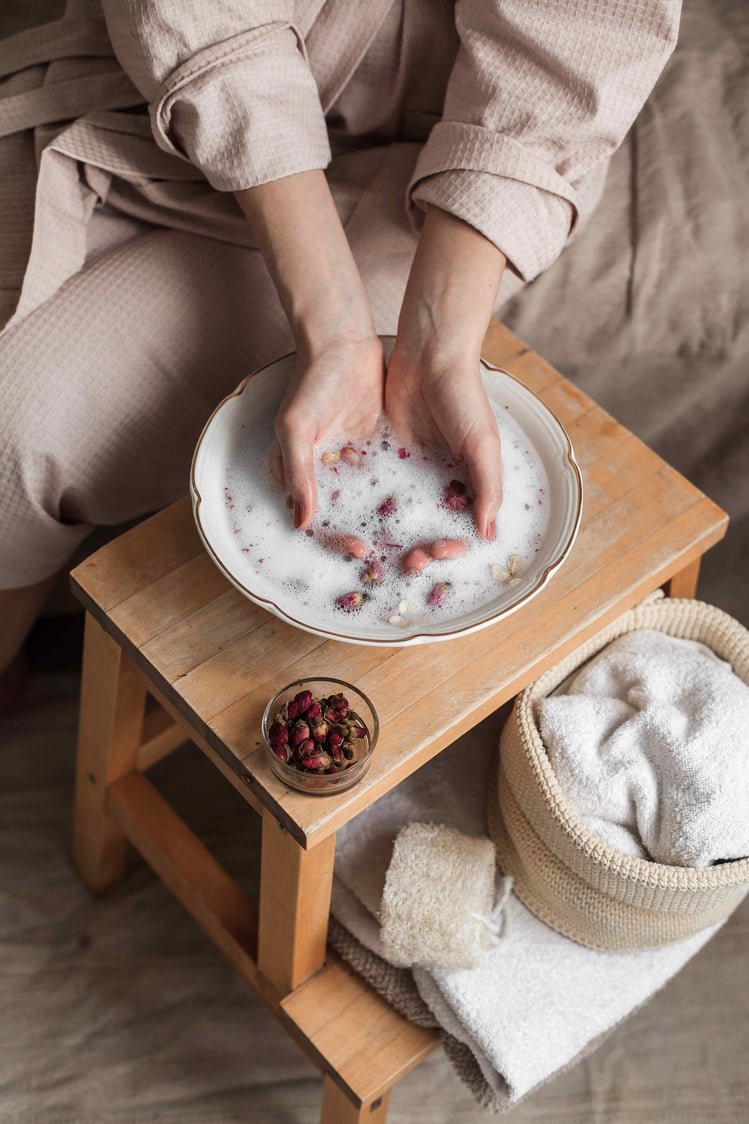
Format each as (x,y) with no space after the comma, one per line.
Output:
(119,1010)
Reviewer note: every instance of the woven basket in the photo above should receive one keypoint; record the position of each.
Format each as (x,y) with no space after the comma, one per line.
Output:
(566,875)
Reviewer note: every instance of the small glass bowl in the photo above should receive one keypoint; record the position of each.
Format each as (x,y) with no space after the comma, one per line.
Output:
(324,784)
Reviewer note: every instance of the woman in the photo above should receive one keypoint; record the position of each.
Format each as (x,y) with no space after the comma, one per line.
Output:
(463,144)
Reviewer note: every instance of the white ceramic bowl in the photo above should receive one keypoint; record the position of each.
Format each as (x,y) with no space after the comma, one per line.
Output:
(218,452)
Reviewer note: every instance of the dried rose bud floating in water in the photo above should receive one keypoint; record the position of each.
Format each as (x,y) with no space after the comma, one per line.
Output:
(388,507)
(509,574)
(438,594)
(351,602)
(373,573)
(350,456)
(347,454)
(454,497)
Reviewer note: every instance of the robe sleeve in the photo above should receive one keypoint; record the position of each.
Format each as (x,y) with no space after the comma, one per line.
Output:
(228,85)
(541,92)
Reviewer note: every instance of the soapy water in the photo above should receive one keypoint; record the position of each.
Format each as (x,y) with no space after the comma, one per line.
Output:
(307,575)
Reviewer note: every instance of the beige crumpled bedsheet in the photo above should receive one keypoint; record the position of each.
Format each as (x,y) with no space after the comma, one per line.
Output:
(649,310)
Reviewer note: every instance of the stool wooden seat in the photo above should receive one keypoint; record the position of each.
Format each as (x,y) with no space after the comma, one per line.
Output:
(163,621)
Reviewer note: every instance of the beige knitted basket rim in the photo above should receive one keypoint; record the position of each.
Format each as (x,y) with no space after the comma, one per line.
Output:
(600,869)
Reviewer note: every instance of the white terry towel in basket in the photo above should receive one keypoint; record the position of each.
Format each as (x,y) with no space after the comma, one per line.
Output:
(650,743)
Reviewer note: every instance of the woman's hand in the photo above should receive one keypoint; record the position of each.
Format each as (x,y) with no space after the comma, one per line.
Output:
(444,403)
(338,382)
(433,388)
(335,387)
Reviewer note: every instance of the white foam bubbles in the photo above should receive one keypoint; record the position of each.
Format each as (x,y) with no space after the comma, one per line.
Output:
(307,573)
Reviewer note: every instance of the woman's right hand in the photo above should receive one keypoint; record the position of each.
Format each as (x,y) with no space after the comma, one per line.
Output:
(434,389)
(336,387)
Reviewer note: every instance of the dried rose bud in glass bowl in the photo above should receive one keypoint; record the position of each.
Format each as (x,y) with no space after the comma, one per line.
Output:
(320,735)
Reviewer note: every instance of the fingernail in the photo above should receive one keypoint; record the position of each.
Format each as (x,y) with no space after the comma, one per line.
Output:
(491,530)
(297,515)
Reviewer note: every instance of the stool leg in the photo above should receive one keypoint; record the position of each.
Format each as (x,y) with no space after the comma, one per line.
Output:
(113,698)
(295,890)
(338,1109)
(684,584)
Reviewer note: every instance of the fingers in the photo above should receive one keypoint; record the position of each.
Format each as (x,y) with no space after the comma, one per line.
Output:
(295,464)
(483,459)
(450,408)
(400,412)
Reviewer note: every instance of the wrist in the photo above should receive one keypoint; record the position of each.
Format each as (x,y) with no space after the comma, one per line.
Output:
(299,233)
(451,291)
(331,318)
(431,334)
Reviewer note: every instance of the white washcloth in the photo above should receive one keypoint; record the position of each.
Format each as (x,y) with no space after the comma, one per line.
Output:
(650,743)
(438,897)
(536,1000)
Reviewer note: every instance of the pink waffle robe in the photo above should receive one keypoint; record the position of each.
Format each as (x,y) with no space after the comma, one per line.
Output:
(131,294)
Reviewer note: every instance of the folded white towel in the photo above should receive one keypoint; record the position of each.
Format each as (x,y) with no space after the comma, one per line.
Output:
(536,1000)
(650,743)
(438,897)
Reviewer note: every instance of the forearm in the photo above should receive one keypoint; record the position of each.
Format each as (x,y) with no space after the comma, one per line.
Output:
(451,291)
(337,384)
(304,245)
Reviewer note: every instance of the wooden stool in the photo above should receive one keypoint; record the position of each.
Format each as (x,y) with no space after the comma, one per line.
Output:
(163,621)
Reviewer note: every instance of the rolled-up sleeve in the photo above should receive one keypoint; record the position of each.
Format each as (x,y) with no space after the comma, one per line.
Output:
(228,85)
(541,92)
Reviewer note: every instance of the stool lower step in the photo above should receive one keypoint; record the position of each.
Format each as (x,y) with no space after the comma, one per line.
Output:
(350,1027)
(343,1025)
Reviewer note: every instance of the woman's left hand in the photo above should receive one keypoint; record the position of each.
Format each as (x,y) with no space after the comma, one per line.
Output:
(433,387)
(443,402)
